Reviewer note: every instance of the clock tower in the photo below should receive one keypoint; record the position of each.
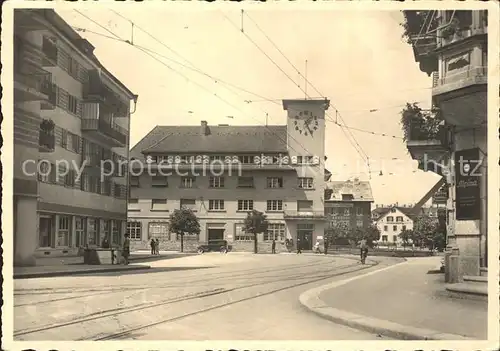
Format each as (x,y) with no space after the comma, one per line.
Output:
(304,215)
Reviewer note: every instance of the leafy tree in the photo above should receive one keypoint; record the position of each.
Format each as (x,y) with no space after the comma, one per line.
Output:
(405,236)
(255,223)
(355,235)
(416,22)
(425,228)
(419,124)
(184,221)
(372,234)
(335,231)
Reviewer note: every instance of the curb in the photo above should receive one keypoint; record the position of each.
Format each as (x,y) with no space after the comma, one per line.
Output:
(77,272)
(311,301)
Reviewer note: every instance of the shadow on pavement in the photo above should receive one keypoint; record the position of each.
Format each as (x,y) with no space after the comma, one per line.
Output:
(145,271)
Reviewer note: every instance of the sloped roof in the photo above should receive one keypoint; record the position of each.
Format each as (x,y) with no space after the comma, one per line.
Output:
(221,139)
(361,190)
(383,210)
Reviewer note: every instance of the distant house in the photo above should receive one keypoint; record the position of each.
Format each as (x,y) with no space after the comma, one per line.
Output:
(391,221)
(348,202)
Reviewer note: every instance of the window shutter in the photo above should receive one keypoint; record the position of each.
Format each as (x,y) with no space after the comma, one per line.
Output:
(64,138)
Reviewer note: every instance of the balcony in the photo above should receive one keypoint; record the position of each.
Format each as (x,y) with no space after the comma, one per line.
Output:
(476,76)
(105,132)
(32,55)
(32,86)
(26,20)
(47,137)
(462,96)
(50,53)
(96,91)
(304,214)
(428,139)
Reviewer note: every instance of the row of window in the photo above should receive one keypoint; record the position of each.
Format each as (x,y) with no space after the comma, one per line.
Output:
(275,231)
(345,212)
(48,173)
(347,223)
(220,205)
(234,159)
(385,238)
(394,228)
(391,219)
(92,153)
(219,182)
(86,231)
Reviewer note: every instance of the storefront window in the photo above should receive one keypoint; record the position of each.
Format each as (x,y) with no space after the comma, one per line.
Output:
(92,231)
(80,237)
(63,231)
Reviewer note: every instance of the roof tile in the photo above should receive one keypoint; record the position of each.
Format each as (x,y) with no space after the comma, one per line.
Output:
(226,139)
(361,190)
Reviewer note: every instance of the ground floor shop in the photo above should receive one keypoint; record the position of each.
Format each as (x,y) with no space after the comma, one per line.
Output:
(43,233)
(142,230)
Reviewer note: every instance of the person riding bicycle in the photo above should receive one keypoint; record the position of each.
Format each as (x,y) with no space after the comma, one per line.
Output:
(363,246)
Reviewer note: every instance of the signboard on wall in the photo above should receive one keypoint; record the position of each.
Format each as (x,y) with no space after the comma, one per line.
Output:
(441,196)
(467,183)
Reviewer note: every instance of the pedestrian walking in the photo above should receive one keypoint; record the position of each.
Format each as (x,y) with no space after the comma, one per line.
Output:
(126,249)
(157,246)
(273,246)
(299,246)
(316,247)
(325,243)
(153,246)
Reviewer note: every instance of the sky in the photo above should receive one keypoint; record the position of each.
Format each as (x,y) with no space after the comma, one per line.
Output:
(188,73)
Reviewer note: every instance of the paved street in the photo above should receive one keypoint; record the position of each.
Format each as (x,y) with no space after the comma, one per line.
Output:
(206,297)
(418,301)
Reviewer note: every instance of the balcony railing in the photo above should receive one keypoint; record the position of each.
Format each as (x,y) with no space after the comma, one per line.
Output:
(111,130)
(299,214)
(428,129)
(477,74)
(32,54)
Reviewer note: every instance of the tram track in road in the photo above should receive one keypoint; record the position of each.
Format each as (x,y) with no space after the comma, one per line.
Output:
(180,283)
(126,332)
(112,313)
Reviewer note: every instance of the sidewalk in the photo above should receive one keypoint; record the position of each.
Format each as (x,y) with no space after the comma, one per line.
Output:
(403,302)
(71,269)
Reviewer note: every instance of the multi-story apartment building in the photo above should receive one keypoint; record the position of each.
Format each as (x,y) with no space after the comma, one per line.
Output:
(391,221)
(452,47)
(348,202)
(70,113)
(223,172)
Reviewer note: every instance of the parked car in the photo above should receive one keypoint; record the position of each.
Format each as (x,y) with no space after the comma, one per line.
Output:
(215,245)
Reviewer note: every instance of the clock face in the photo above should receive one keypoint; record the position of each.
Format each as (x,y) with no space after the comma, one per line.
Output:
(306,123)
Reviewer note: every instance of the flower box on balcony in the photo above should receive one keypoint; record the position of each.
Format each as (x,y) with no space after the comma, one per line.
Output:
(47,138)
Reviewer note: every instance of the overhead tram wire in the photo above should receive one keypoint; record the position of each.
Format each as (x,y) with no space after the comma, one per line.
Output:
(360,152)
(298,71)
(225,101)
(218,80)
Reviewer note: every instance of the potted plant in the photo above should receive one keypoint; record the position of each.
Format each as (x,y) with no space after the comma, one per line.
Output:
(47,125)
(452,29)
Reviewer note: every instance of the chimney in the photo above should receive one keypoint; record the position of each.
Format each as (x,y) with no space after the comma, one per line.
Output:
(204,128)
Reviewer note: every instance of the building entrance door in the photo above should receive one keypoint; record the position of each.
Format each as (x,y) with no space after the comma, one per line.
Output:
(215,234)
(305,239)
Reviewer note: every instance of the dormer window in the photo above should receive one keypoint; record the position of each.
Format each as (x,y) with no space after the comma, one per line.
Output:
(347,197)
